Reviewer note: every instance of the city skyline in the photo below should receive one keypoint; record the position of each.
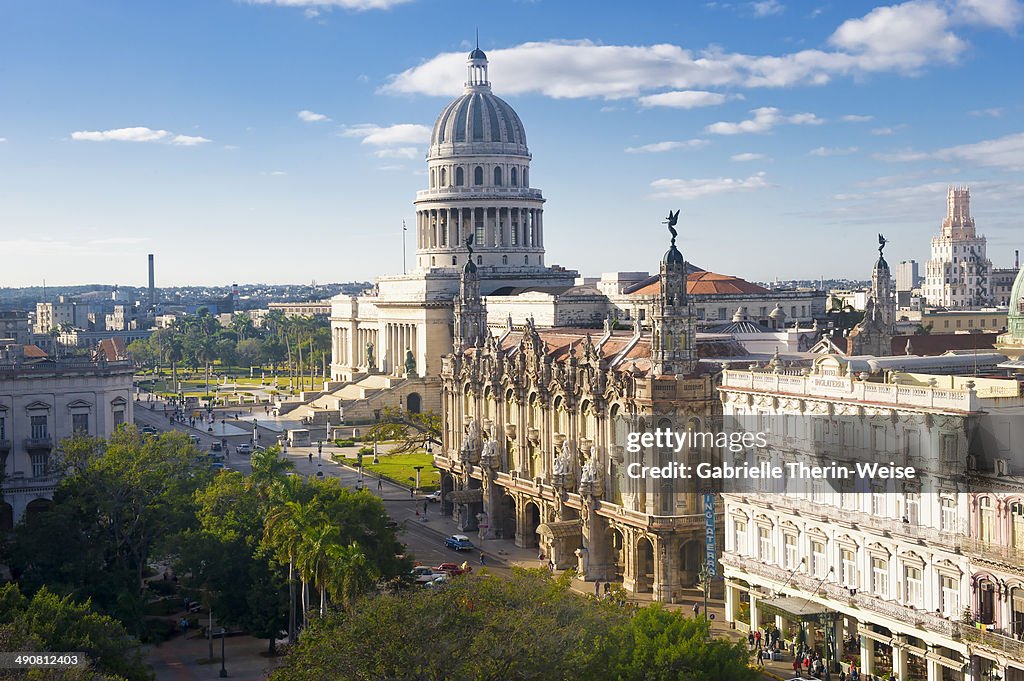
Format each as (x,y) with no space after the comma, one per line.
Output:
(272,140)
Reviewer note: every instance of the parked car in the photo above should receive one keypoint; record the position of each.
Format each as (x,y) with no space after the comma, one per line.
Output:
(458,542)
(439,580)
(454,569)
(244,449)
(422,574)
(433,497)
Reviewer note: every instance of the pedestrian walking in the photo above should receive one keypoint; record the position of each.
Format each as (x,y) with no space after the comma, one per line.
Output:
(750,640)
(757,639)
(483,561)
(607,589)
(597,589)
(426,505)
(380,485)
(696,610)
(311,457)
(412,494)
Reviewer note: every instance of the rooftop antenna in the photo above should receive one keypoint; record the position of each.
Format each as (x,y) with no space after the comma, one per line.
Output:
(478,37)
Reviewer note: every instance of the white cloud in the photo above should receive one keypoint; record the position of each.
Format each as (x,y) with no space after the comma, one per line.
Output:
(747,156)
(902,38)
(397,152)
(765,118)
(766,8)
(277,173)
(137,134)
(694,189)
(832,151)
(357,5)
(2,140)
(883,132)
(312,116)
(994,112)
(856,118)
(1003,152)
(683,99)
(400,133)
(666,146)
(905,36)
(1004,14)
(188,140)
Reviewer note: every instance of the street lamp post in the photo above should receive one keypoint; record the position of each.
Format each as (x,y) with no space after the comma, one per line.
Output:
(223,669)
(704,580)
(418,469)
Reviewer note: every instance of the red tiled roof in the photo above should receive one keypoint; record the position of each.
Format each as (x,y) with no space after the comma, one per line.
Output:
(33,351)
(707,283)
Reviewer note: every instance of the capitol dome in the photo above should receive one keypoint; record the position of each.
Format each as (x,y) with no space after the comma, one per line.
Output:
(475,119)
(478,185)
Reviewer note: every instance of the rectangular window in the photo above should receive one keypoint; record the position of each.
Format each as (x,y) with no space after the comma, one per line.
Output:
(39,461)
(764,542)
(515,232)
(118,417)
(914,586)
(723,313)
(849,568)
(3,428)
(950,598)
(948,515)
(790,544)
(741,537)
(880,577)
(80,424)
(39,427)
(478,236)
(877,500)
(820,564)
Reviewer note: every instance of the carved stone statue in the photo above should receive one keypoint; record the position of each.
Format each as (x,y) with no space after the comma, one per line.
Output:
(410,362)
(563,462)
(369,355)
(590,472)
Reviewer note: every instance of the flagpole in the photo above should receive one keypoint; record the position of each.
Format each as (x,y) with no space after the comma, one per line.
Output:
(404,230)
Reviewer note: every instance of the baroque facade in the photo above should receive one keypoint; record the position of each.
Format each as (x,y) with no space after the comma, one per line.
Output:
(534,426)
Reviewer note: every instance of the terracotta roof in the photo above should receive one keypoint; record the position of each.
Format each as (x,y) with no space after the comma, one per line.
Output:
(33,351)
(707,283)
(113,349)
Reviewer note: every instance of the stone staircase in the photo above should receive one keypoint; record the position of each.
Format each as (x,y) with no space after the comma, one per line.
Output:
(361,399)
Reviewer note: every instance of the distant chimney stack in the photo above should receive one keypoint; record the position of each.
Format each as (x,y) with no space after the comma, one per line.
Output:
(152,284)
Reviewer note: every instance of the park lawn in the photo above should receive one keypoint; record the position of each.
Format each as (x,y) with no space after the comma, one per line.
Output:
(399,468)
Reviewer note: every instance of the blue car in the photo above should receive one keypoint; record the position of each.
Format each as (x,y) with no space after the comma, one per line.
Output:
(459,542)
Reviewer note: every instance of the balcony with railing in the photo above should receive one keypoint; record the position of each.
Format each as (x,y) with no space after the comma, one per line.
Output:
(40,443)
(1004,554)
(992,641)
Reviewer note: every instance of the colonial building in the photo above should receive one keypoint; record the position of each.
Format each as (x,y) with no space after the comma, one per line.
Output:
(896,565)
(958,274)
(534,426)
(43,401)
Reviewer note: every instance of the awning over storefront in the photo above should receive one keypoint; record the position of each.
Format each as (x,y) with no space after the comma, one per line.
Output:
(563,529)
(465,496)
(797,609)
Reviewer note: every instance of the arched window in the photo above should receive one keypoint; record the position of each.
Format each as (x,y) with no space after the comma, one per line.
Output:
(526,260)
(497,177)
(444,177)
(504,260)
(455,260)
(479,260)
(433,261)
(431,178)
(460,177)
(986,520)
(478,175)
(526,177)
(513,177)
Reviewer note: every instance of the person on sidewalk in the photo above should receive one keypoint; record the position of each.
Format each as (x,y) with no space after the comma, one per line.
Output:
(597,589)
(483,560)
(380,485)
(696,610)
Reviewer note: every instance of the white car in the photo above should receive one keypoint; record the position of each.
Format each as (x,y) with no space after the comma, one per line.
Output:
(433,497)
(423,574)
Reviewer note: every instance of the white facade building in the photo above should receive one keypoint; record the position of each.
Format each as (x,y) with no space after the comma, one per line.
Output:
(958,273)
(896,563)
(43,401)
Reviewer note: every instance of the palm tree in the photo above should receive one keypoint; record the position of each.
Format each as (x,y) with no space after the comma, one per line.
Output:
(351,574)
(269,472)
(283,532)
(314,557)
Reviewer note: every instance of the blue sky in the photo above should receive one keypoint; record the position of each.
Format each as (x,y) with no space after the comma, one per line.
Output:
(284,140)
